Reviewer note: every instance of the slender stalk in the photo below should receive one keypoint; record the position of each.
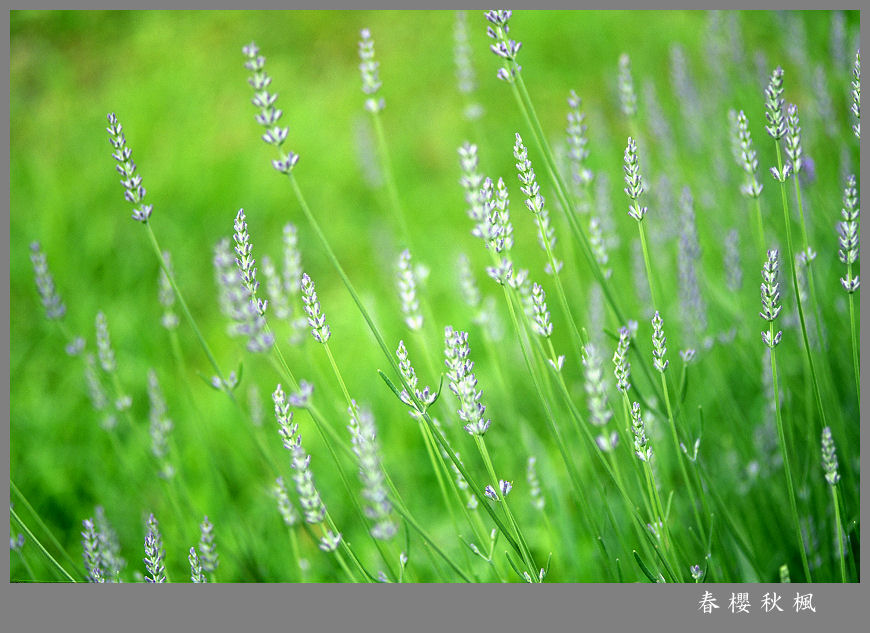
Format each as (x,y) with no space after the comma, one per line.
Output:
(187,314)
(785,461)
(389,356)
(36,541)
(42,525)
(838,527)
(806,341)
(854,328)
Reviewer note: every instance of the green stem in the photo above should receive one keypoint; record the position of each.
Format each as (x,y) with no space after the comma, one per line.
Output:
(159,254)
(646,261)
(680,457)
(42,525)
(854,327)
(806,341)
(524,102)
(785,461)
(525,553)
(387,166)
(839,529)
(41,547)
(389,356)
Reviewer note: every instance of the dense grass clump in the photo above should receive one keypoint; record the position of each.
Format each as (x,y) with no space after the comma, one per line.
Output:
(545,301)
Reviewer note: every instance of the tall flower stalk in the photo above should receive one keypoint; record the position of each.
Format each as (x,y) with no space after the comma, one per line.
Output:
(849,233)
(832,476)
(770,309)
(510,72)
(777,128)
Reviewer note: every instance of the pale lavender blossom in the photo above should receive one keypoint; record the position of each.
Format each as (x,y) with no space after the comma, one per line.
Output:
(621,366)
(166,295)
(160,426)
(237,303)
(51,301)
(97,392)
(317,320)
(829,457)
(465,76)
(774,104)
(104,345)
(407,284)
(595,386)
(504,47)
(268,115)
(285,508)
(848,231)
(378,508)
(770,307)
(369,71)
(245,259)
(207,549)
(856,95)
(659,340)
(627,95)
(425,395)
(641,444)
(154,555)
(134,192)
(309,498)
(633,180)
(463,383)
(535,491)
(196,573)
(91,552)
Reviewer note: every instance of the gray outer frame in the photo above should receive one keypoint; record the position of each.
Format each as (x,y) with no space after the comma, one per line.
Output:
(441,608)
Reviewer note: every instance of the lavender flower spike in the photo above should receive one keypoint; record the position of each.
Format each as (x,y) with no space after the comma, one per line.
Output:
(196,573)
(622,368)
(365,445)
(748,158)
(770,307)
(134,192)
(627,95)
(596,390)
(285,507)
(104,345)
(829,457)
(317,321)
(285,418)
(207,550)
(425,396)
(154,555)
(237,303)
(633,180)
(848,231)
(160,426)
(369,69)
(504,47)
(309,498)
(641,444)
(166,295)
(659,340)
(268,115)
(408,292)
(463,382)
(245,259)
(91,552)
(856,95)
(51,301)
(793,139)
(776,125)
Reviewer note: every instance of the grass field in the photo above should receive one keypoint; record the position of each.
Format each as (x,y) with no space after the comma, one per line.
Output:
(717,474)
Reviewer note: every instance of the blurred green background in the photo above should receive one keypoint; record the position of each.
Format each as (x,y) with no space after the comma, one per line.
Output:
(177,83)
